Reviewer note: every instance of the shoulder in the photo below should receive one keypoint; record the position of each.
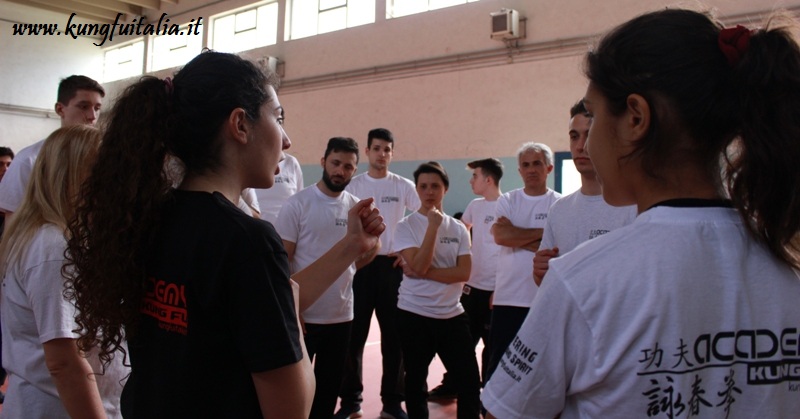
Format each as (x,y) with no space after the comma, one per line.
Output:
(400,179)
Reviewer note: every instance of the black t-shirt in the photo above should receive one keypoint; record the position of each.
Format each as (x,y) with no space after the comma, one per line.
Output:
(219,307)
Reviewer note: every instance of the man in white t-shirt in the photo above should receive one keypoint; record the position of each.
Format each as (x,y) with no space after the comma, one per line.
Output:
(310,223)
(288,182)
(375,285)
(583,214)
(521,215)
(477,293)
(79,101)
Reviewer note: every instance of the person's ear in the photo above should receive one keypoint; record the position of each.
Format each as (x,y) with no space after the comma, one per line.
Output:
(59,107)
(550,168)
(238,126)
(637,118)
(322,162)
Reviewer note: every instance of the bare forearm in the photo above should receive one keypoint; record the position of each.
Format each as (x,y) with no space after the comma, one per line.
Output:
(74,379)
(511,236)
(422,259)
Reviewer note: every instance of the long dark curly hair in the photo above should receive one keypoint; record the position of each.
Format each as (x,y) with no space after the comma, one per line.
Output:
(122,201)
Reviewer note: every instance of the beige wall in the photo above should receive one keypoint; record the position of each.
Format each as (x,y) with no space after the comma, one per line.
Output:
(436,79)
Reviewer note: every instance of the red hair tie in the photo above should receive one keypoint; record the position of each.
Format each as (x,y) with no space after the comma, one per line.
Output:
(733,43)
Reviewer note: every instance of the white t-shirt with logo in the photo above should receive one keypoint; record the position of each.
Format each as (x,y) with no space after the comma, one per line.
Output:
(314,222)
(577,218)
(423,296)
(679,314)
(481,214)
(514,284)
(393,195)
(287,183)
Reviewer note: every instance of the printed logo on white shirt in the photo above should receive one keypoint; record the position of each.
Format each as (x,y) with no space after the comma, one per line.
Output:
(341,222)
(389,199)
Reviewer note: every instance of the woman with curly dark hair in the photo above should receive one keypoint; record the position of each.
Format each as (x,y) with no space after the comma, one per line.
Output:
(200,290)
(691,310)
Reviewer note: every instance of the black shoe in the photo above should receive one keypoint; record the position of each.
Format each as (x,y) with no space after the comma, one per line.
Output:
(441,392)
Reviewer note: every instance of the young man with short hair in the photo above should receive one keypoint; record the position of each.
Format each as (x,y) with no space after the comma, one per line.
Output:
(376,285)
(477,293)
(79,101)
(583,214)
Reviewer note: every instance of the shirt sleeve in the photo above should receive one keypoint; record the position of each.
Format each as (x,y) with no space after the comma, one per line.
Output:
(503,207)
(261,306)
(288,222)
(298,175)
(465,243)
(403,237)
(535,373)
(55,316)
(412,199)
(548,239)
(467,216)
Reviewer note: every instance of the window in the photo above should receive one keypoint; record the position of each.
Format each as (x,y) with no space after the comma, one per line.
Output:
(123,62)
(175,50)
(313,17)
(399,8)
(246,28)
(567,178)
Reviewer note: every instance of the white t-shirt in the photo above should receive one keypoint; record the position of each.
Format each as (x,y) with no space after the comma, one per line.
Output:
(34,312)
(393,195)
(423,296)
(481,213)
(679,313)
(248,201)
(12,188)
(577,218)
(314,222)
(514,284)
(287,183)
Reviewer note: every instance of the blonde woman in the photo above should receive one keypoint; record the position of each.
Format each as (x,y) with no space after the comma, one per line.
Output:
(48,375)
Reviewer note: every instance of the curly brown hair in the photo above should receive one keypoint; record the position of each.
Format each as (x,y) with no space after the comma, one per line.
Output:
(130,186)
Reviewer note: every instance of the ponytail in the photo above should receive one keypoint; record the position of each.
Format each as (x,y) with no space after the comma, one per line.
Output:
(764,173)
(117,218)
(129,187)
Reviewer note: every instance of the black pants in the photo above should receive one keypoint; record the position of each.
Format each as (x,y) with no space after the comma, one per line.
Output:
(375,289)
(327,348)
(422,338)
(506,321)
(476,305)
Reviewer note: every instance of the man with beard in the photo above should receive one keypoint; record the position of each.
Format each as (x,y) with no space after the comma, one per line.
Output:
(521,216)
(310,223)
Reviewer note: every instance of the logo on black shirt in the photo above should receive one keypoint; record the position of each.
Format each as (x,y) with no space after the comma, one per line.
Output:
(166,302)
